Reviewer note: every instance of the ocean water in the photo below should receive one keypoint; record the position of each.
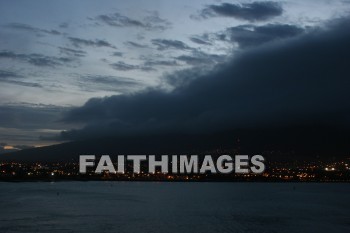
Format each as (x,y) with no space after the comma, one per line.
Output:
(173,207)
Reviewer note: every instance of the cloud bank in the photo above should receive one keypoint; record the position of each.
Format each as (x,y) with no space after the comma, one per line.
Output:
(301,81)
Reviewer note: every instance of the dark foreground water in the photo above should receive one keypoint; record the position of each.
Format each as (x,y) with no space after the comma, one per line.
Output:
(173,207)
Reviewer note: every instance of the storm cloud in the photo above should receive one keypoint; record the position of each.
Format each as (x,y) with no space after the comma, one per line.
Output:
(198,58)
(248,35)
(26,123)
(255,11)
(303,81)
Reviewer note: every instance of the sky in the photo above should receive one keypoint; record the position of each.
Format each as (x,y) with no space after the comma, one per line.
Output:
(72,69)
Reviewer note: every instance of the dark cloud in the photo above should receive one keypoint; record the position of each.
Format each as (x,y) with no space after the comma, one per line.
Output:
(122,66)
(109,80)
(15,79)
(136,45)
(255,11)
(151,62)
(304,81)
(39,60)
(248,35)
(154,21)
(147,68)
(64,25)
(72,52)
(4,74)
(117,54)
(78,42)
(36,59)
(200,41)
(184,77)
(151,22)
(24,116)
(118,20)
(208,38)
(163,44)
(28,28)
(198,58)
(11,55)
(22,83)
(26,123)
(193,60)
(108,83)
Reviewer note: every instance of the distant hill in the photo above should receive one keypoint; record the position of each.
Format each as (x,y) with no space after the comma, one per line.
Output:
(287,143)
(3,151)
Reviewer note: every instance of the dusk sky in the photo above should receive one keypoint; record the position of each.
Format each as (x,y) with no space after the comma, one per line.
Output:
(103,67)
